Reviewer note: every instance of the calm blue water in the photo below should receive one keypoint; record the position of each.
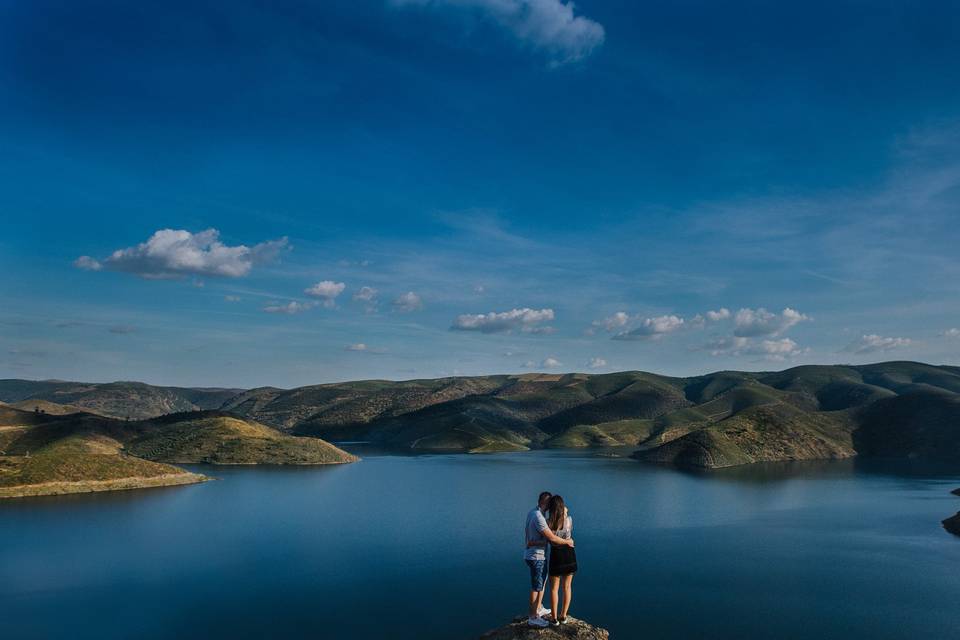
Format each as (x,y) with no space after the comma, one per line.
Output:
(429,547)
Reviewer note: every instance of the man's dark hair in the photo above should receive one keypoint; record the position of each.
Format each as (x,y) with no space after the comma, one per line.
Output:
(544,496)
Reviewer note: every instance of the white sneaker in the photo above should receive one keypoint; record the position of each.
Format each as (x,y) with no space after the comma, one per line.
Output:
(537,622)
(543,612)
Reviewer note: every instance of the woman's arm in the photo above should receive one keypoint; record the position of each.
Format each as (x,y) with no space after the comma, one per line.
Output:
(555,539)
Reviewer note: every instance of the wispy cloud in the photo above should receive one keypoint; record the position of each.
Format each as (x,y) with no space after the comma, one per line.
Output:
(760,322)
(772,350)
(526,320)
(596,363)
(870,343)
(548,25)
(549,362)
(407,302)
(362,347)
(290,308)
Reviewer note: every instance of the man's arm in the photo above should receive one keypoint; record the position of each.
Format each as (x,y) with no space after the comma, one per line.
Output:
(555,539)
(551,536)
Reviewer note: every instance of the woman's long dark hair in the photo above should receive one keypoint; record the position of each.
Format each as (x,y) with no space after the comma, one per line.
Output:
(558,513)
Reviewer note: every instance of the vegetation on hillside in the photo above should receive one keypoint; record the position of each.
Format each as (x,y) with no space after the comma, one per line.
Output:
(721,419)
(45,453)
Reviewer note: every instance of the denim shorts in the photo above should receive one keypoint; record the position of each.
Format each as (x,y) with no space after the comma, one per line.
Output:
(538,574)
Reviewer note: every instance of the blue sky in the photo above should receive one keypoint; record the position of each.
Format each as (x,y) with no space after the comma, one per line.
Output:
(286,193)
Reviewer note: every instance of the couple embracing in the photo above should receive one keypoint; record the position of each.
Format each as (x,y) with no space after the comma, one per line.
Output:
(549,552)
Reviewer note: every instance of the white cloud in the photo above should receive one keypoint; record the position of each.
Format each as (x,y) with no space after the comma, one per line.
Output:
(290,308)
(526,320)
(87,264)
(726,346)
(327,291)
(407,302)
(364,348)
(721,314)
(760,322)
(548,25)
(869,343)
(652,328)
(596,363)
(547,363)
(951,333)
(777,350)
(366,294)
(175,253)
(232,298)
(611,323)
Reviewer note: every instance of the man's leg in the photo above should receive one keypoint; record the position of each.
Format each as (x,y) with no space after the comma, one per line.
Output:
(537,577)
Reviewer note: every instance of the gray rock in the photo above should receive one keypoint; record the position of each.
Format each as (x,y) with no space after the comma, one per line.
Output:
(573,630)
(956,492)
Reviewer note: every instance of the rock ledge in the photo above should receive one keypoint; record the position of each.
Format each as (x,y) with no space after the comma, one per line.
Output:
(952,524)
(574,629)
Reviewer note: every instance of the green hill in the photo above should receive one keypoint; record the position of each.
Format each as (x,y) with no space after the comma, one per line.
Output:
(134,400)
(720,419)
(901,409)
(43,454)
(218,438)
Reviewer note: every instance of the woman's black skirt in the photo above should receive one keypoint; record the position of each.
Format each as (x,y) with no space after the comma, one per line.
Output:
(563,560)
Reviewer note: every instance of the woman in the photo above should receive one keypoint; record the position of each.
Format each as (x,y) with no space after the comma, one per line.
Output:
(563,560)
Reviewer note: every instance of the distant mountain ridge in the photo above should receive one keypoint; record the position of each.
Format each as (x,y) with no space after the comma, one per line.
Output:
(726,418)
(135,400)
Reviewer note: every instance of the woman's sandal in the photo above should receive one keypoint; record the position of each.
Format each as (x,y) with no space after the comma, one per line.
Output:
(561,621)
(552,620)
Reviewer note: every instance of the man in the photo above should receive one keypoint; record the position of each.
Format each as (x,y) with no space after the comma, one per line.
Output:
(538,534)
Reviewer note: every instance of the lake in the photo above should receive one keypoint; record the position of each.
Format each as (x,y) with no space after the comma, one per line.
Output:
(430,547)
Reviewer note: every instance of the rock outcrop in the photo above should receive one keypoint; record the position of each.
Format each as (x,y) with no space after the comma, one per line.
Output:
(574,629)
(956,492)
(952,524)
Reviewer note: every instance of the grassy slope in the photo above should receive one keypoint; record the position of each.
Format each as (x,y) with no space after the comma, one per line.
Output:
(45,454)
(216,438)
(82,463)
(724,418)
(135,400)
(51,408)
(719,419)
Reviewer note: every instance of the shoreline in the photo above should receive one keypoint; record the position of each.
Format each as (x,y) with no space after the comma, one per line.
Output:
(93,486)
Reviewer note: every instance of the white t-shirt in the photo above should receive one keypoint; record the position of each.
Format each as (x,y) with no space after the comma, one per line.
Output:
(536,524)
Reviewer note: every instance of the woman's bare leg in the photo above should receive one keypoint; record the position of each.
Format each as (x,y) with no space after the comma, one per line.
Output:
(555,596)
(567,595)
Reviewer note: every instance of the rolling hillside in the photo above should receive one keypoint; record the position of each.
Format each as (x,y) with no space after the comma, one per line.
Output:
(134,400)
(892,409)
(720,419)
(43,453)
